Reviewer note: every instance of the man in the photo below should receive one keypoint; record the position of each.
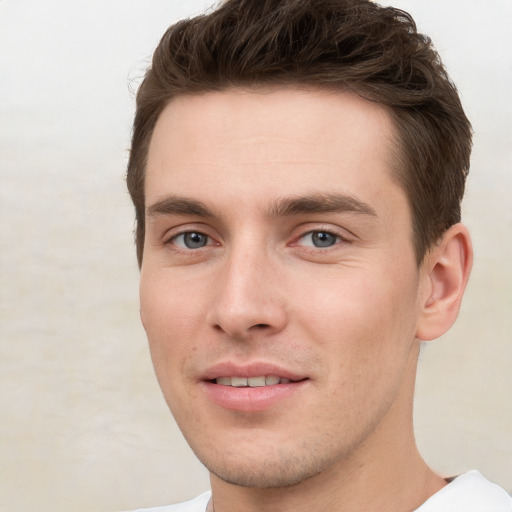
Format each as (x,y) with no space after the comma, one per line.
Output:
(297,168)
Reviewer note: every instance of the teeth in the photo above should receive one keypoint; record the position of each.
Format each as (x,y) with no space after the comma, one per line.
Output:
(238,382)
(253,382)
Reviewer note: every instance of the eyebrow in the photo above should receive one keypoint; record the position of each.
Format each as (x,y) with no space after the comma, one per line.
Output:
(176,205)
(285,207)
(321,203)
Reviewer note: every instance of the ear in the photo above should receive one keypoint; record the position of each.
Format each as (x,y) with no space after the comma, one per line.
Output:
(445,273)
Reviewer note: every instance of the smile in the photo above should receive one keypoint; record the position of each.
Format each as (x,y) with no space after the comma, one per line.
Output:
(251,382)
(252,387)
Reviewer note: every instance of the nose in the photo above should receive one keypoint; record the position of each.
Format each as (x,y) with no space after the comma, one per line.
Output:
(249,298)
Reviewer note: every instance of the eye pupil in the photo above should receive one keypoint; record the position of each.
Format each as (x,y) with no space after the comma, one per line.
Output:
(323,239)
(194,240)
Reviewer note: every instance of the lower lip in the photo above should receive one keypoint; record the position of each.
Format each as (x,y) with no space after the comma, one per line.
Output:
(249,399)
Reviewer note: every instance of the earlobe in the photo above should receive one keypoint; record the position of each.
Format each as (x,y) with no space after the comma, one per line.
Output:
(445,273)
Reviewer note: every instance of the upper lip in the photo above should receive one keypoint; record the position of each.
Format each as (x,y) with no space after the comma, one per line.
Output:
(254,369)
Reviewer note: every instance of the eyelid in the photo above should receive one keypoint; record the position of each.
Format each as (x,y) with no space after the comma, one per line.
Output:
(335,238)
(183,229)
(342,235)
(183,246)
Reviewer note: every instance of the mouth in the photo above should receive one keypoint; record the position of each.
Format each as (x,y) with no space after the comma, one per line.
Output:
(251,388)
(252,382)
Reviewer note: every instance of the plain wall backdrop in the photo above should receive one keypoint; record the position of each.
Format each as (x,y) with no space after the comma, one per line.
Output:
(83,426)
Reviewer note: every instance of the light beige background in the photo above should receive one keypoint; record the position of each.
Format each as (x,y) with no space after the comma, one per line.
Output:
(82,424)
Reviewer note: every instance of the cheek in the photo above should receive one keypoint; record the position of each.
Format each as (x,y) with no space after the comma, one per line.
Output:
(346,303)
(363,334)
(168,324)
(360,319)
(168,321)
(168,307)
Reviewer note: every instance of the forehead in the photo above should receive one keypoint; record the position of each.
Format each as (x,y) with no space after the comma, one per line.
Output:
(239,142)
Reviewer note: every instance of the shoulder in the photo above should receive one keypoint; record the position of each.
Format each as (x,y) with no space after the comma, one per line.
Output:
(197,504)
(470,492)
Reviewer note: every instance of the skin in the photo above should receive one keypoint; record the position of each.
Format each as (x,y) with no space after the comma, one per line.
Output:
(347,316)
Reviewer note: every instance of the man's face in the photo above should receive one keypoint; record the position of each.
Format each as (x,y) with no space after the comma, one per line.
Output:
(279,289)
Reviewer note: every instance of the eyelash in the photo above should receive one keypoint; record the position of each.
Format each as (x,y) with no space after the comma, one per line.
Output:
(311,247)
(172,239)
(337,238)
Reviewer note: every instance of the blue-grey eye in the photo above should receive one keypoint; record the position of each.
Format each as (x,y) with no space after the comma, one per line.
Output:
(323,239)
(191,240)
(320,239)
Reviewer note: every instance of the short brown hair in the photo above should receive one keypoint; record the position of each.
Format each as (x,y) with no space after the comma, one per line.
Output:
(352,45)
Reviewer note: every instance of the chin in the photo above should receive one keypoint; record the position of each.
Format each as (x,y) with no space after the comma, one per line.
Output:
(277,469)
(263,478)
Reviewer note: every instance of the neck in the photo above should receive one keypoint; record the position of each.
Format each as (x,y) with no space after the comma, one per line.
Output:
(386,474)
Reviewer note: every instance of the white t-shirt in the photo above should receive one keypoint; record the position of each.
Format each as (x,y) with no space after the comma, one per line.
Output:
(469,492)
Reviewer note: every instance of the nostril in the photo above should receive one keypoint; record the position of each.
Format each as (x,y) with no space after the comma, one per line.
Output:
(261,326)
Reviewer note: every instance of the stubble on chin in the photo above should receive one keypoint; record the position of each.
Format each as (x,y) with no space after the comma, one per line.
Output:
(272,468)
